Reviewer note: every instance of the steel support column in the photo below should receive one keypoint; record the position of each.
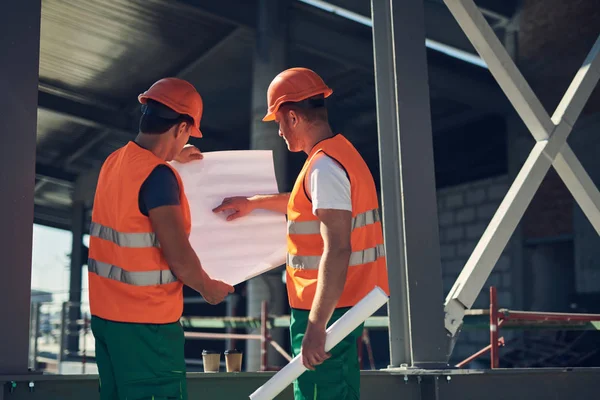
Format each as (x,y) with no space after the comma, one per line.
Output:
(19,45)
(269,60)
(75,277)
(270,56)
(417,335)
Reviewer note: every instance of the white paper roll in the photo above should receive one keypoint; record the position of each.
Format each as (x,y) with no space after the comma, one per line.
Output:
(335,334)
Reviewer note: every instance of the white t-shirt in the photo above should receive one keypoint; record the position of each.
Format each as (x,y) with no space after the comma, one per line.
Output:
(328,184)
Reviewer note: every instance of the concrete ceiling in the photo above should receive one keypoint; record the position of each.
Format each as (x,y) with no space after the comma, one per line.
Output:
(96,57)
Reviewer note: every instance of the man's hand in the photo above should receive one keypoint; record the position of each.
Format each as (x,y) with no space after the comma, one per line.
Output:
(189,153)
(167,222)
(313,346)
(215,291)
(240,206)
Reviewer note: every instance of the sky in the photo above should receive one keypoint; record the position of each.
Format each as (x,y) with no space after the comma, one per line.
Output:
(51,262)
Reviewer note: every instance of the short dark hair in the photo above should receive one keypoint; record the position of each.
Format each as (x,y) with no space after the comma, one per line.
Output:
(312,109)
(157,118)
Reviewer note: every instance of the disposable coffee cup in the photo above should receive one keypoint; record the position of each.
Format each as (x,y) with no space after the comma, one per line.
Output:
(212,360)
(233,360)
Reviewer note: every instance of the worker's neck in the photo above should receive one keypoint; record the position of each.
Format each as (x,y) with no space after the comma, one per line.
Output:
(154,143)
(317,134)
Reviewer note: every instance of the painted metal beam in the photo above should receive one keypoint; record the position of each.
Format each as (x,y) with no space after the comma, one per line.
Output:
(240,13)
(411,230)
(53,217)
(109,119)
(86,114)
(269,58)
(52,173)
(237,34)
(77,259)
(82,146)
(20,43)
(440,26)
(551,149)
(353,47)
(389,161)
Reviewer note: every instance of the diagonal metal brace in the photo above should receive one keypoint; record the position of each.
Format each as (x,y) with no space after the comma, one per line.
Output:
(551,149)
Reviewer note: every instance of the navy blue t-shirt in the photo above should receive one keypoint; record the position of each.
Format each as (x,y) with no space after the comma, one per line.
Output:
(159,189)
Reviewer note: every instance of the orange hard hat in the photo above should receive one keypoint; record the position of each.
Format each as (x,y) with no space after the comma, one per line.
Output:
(180,96)
(294,85)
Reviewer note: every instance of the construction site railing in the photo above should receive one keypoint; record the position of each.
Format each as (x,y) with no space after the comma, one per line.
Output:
(493,319)
(506,319)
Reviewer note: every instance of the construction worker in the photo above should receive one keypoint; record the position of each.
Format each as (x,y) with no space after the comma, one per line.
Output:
(139,253)
(335,241)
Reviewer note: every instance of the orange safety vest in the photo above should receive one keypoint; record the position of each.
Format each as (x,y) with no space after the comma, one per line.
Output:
(129,278)
(367,266)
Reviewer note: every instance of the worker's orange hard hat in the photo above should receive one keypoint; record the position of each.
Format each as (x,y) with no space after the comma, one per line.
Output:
(294,85)
(180,96)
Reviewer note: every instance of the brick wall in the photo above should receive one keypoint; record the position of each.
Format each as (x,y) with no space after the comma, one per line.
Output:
(554,39)
(550,213)
(464,213)
(585,143)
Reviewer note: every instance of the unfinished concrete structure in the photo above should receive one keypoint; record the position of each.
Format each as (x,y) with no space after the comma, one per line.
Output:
(426,106)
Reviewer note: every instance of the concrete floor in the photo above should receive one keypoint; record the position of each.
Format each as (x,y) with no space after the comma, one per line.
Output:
(571,384)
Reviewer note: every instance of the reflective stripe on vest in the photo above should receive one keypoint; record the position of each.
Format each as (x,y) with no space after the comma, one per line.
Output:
(121,239)
(314,227)
(145,278)
(356,258)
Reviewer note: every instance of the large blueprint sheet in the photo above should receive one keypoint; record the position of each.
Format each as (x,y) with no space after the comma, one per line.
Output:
(233,251)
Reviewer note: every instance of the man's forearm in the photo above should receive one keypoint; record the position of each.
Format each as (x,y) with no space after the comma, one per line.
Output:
(273,202)
(188,270)
(330,285)
(167,222)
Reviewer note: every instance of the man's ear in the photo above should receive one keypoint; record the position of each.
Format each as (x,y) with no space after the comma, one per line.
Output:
(181,128)
(293,118)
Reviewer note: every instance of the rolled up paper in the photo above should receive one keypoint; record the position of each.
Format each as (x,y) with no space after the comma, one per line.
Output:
(335,334)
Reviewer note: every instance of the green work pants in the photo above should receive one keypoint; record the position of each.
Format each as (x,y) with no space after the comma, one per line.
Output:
(140,361)
(339,376)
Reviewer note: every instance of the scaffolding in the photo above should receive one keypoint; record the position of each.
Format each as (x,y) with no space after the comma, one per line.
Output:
(500,318)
